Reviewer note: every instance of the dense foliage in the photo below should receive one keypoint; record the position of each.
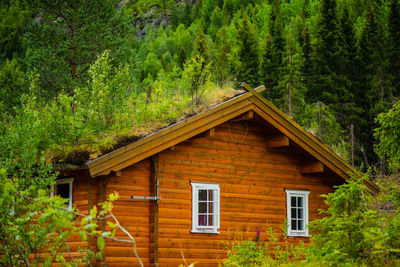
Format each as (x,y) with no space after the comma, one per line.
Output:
(332,65)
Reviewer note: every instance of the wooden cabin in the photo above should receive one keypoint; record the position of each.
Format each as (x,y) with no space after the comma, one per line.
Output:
(191,189)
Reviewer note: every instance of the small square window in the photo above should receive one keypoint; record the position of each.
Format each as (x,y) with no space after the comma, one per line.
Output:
(297,212)
(64,188)
(205,208)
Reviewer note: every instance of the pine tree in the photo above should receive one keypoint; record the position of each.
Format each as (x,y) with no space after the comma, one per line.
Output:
(374,93)
(326,55)
(267,76)
(201,46)
(394,46)
(307,52)
(248,54)
(278,46)
(14,16)
(222,65)
(68,38)
(330,84)
(291,86)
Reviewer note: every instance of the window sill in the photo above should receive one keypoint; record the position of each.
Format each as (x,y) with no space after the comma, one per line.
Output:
(197,231)
(298,235)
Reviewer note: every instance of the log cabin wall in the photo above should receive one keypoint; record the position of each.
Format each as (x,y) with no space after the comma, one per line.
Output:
(252,180)
(85,194)
(133,215)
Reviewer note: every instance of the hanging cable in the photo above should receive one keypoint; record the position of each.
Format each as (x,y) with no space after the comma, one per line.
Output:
(244,136)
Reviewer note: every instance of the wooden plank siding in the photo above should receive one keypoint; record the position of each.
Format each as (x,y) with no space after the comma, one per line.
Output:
(252,180)
(85,194)
(133,215)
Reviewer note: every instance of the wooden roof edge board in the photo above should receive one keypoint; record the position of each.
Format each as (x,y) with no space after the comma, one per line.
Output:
(69,167)
(297,140)
(184,136)
(343,169)
(284,118)
(172,127)
(317,145)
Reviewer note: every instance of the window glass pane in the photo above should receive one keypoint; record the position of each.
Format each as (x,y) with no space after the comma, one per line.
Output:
(293,201)
(202,220)
(202,194)
(294,213)
(210,207)
(299,202)
(63,190)
(210,220)
(294,224)
(300,225)
(300,213)
(202,207)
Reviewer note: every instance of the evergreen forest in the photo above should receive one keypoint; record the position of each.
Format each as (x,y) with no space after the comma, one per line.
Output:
(81,78)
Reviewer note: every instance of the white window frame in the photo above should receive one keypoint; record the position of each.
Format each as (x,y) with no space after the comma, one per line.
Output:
(304,195)
(71,187)
(196,228)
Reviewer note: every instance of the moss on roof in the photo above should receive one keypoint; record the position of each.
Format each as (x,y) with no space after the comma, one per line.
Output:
(77,155)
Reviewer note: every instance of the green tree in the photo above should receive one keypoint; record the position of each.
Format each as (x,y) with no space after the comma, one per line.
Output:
(195,74)
(277,49)
(388,135)
(12,85)
(374,91)
(14,16)
(217,20)
(327,86)
(394,51)
(267,74)
(222,63)
(68,37)
(248,53)
(352,232)
(307,53)
(291,85)
(201,46)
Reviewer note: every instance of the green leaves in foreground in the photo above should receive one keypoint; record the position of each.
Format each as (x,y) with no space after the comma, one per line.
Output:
(355,231)
(33,224)
(36,226)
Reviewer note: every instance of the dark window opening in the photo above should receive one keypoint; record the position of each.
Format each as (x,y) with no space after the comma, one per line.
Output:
(63,190)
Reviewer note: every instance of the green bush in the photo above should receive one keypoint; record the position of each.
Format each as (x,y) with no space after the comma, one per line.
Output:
(269,252)
(357,230)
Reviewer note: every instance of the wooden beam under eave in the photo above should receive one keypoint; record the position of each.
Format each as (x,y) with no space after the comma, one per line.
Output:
(312,167)
(249,115)
(211,132)
(278,141)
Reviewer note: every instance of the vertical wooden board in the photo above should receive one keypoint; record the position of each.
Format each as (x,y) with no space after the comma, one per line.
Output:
(154,210)
(133,215)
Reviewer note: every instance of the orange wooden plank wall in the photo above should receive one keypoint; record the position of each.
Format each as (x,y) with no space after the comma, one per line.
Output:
(252,181)
(81,194)
(132,214)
